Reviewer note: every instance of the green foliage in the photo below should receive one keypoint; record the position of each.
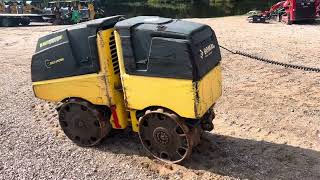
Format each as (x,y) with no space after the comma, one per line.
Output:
(173,3)
(183,8)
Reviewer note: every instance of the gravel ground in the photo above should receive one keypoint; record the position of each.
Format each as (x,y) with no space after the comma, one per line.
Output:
(267,125)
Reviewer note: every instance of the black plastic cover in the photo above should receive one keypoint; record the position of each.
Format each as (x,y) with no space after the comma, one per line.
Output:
(170,58)
(164,47)
(69,52)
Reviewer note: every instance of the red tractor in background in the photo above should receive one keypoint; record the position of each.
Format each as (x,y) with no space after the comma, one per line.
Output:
(290,11)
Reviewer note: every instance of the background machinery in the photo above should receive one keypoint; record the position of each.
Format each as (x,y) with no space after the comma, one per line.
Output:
(33,7)
(71,11)
(87,10)
(289,11)
(159,76)
(19,12)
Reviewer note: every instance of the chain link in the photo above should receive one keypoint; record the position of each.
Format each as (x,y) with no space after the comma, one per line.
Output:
(286,65)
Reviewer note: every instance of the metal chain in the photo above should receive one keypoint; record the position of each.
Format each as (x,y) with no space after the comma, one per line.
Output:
(292,66)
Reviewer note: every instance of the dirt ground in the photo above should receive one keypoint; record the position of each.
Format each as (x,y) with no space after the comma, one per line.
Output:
(267,124)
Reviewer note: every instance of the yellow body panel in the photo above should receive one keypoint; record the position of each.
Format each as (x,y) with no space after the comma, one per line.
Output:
(186,98)
(90,87)
(209,90)
(174,94)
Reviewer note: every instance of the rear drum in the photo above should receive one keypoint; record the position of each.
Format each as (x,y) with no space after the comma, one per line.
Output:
(83,123)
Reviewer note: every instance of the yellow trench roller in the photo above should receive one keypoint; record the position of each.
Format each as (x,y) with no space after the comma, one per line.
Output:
(146,72)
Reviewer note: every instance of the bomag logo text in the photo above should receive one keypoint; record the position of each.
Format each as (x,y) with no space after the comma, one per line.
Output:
(51,41)
(207,51)
(50,63)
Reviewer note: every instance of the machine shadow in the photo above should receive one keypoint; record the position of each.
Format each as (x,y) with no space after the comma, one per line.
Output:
(235,157)
(122,142)
(250,159)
